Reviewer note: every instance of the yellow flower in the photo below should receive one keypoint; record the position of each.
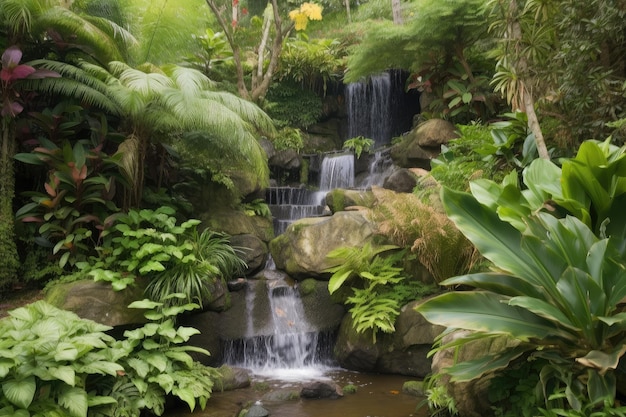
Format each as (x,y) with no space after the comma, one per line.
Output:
(300,20)
(312,11)
(307,11)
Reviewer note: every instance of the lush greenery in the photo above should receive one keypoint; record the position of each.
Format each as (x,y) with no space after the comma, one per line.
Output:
(57,364)
(557,246)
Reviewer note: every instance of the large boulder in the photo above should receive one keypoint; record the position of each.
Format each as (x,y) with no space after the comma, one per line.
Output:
(401,180)
(252,250)
(423,143)
(303,249)
(404,352)
(323,137)
(98,301)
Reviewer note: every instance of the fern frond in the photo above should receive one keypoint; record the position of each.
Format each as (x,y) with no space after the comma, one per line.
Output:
(247,110)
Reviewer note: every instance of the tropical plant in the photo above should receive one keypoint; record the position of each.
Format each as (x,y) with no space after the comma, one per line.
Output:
(213,53)
(159,363)
(359,145)
(51,360)
(513,143)
(12,105)
(377,288)
(176,257)
(311,63)
(78,198)
(558,279)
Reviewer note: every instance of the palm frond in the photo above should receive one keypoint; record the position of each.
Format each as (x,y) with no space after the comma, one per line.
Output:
(18,15)
(129,164)
(147,84)
(89,38)
(188,80)
(248,111)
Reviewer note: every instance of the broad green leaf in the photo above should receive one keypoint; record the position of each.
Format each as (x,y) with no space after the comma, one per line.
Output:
(74,400)
(20,392)
(488,313)
(336,281)
(475,368)
(496,240)
(545,310)
(145,304)
(601,386)
(63,373)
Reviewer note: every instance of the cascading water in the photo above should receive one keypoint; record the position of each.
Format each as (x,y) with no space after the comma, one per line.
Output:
(378,108)
(289,348)
(337,172)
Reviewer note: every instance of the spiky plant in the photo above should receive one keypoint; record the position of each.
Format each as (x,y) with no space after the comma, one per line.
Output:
(429,234)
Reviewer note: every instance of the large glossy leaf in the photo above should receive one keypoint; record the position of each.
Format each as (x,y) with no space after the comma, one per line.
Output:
(498,283)
(468,370)
(496,240)
(488,313)
(20,392)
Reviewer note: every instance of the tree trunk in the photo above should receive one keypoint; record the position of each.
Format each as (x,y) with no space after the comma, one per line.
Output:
(347,2)
(396,9)
(8,248)
(521,64)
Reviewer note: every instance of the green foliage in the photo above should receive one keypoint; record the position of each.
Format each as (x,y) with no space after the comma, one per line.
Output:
(439,402)
(176,257)
(459,162)
(77,200)
(157,362)
(311,63)
(57,364)
(212,55)
(288,138)
(49,361)
(289,105)
(358,144)
(378,288)
(516,390)
(257,207)
(513,143)
(559,273)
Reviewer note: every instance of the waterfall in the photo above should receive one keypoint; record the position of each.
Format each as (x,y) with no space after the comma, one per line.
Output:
(337,172)
(290,347)
(379,108)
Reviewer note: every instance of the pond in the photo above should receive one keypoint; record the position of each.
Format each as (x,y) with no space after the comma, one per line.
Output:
(376,396)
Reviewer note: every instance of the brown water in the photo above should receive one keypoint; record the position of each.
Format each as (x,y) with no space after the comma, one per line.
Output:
(376,396)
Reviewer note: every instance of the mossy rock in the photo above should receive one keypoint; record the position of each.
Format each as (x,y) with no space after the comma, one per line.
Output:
(339,199)
(98,301)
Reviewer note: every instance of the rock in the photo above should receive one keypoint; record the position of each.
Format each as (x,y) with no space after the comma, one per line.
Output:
(282,394)
(302,250)
(321,389)
(471,397)
(98,301)
(423,143)
(414,388)
(252,250)
(257,411)
(435,132)
(405,352)
(287,159)
(236,222)
(356,351)
(219,299)
(233,378)
(401,180)
(339,199)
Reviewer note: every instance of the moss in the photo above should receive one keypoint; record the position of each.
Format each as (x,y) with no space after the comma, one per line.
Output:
(350,389)
(307,286)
